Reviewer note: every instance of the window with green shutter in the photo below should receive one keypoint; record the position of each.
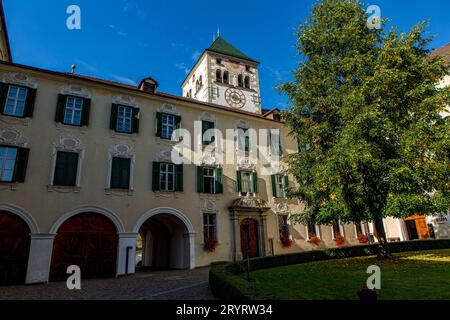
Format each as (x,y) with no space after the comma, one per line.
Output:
(243,139)
(247,182)
(17,101)
(66,167)
(167,177)
(72,110)
(120,173)
(219,180)
(209,180)
(279,185)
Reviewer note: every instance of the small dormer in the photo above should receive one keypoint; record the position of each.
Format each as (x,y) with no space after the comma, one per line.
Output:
(148,85)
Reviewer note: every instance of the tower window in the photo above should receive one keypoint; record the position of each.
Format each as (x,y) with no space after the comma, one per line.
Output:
(219,61)
(247,82)
(219,76)
(240,81)
(248,68)
(226,77)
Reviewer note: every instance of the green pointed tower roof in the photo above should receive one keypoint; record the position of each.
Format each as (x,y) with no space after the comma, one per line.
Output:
(224,47)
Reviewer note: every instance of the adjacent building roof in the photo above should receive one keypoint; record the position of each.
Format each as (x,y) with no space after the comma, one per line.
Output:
(224,47)
(444,52)
(5,32)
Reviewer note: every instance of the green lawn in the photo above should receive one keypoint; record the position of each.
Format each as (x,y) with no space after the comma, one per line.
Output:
(409,276)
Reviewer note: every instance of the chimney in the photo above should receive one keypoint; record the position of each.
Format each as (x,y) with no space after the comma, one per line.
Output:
(148,85)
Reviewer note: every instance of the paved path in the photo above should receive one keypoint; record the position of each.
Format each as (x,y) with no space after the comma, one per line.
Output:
(156,285)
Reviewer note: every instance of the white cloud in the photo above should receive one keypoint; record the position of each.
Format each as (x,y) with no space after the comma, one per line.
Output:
(183,67)
(276,73)
(195,55)
(123,79)
(122,34)
(85,65)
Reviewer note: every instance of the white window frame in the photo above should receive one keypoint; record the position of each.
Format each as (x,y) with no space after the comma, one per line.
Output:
(166,176)
(362,228)
(74,109)
(167,125)
(76,147)
(123,119)
(208,176)
(341,230)
(216,229)
(308,236)
(288,221)
(16,101)
(4,159)
(251,185)
(281,193)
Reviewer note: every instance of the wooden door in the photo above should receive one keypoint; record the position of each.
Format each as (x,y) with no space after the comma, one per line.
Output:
(422,228)
(89,241)
(14,249)
(252,238)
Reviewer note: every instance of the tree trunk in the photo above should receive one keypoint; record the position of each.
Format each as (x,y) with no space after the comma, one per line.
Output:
(384,251)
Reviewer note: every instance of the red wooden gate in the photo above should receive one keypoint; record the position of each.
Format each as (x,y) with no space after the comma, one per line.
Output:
(14,249)
(253,237)
(87,240)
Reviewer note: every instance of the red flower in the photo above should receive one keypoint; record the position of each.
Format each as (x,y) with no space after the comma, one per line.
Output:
(286,242)
(363,238)
(210,245)
(340,240)
(314,240)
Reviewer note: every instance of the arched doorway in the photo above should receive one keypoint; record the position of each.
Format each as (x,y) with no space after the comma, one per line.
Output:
(87,240)
(14,248)
(164,243)
(249,238)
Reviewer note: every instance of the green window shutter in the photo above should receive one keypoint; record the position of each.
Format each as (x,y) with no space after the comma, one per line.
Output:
(158,124)
(135,125)
(66,169)
(3,95)
(200,182)
(179,177)
(120,173)
(86,112)
(156,167)
(219,180)
(113,118)
(238,181)
(255,182)
(206,125)
(60,107)
(286,182)
(20,168)
(29,103)
(273,179)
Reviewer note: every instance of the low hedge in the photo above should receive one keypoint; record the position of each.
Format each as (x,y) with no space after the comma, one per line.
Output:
(227,283)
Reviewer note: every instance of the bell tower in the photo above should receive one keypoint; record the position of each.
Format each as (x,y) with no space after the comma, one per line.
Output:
(225,76)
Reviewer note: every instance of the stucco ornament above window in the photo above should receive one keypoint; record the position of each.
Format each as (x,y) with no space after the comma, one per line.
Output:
(249,202)
(209,206)
(68,143)
(12,137)
(209,160)
(168,108)
(282,209)
(164,156)
(124,100)
(19,78)
(246,164)
(121,150)
(75,90)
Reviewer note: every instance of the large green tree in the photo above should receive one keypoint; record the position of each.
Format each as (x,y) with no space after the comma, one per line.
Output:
(367,111)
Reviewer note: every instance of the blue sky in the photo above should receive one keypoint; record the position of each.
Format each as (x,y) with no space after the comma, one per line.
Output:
(127,40)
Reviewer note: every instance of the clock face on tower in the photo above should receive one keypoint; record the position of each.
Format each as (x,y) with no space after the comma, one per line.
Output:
(235,98)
